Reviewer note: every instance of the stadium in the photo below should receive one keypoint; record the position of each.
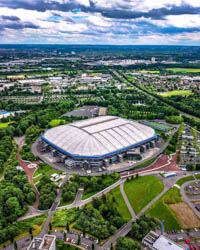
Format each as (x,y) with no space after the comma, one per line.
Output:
(99,141)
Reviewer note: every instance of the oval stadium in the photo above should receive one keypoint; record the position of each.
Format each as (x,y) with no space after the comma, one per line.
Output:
(99,141)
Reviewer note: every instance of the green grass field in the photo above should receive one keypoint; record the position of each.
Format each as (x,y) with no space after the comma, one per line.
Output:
(4,124)
(142,190)
(185,179)
(161,125)
(184,70)
(55,123)
(161,209)
(45,169)
(149,71)
(176,92)
(121,205)
(62,217)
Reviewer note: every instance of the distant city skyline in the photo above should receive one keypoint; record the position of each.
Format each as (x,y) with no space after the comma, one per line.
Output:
(118,22)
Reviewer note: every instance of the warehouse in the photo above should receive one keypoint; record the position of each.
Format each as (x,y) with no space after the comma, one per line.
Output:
(99,141)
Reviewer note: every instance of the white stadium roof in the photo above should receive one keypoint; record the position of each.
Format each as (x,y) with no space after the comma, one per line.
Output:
(97,137)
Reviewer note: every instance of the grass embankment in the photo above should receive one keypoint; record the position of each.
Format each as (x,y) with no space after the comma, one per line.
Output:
(144,164)
(105,180)
(44,169)
(121,205)
(4,124)
(142,190)
(176,92)
(184,70)
(185,179)
(161,209)
(62,217)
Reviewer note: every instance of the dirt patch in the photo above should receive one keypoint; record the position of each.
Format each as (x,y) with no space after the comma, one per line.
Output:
(185,214)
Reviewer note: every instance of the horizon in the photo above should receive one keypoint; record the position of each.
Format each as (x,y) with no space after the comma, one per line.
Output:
(118,22)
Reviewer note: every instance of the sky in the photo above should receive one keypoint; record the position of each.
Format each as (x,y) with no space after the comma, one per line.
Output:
(118,22)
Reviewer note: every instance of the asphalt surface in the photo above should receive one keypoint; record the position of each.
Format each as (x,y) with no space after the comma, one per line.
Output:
(127,201)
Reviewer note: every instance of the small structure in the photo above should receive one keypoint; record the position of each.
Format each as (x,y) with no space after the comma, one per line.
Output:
(48,242)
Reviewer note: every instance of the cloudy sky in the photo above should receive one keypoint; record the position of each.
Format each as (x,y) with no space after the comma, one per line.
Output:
(100,21)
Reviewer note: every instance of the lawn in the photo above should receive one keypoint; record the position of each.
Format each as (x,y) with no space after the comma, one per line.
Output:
(184,70)
(144,164)
(4,124)
(185,179)
(161,209)
(149,71)
(121,205)
(62,217)
(45,169)
(142,190)
(55,123)
(176,92)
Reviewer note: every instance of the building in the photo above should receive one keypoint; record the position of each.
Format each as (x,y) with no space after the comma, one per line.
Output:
(155,241)
(99,141)
(48,242)
(87,111)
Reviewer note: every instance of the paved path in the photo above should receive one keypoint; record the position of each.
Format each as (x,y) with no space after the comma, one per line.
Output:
(53,209)
(127,201)
(29,171)
(79,195)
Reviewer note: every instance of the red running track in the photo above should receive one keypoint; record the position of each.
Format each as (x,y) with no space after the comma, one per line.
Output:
(29,172)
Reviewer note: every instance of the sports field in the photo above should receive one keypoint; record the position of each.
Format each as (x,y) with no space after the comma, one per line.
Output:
(176,92)
(184,70)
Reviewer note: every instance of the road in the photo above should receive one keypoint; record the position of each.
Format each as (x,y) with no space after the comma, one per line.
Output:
(186,199)
(52,210)
(127,201)
(127,227)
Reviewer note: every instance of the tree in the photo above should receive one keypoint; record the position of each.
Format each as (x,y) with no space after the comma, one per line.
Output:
(50,226)
(30,230)
(15,245)
(124,243)
(79,240)
(67,227)
(65,235)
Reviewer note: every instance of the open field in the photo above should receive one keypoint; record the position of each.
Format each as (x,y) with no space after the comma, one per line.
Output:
(149,71)
(161,209)
(142,190)
(184,70)
(176,92)
(186,216)
(4,124)
(120,203)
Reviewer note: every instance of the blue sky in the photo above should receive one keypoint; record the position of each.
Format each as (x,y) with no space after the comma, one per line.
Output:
(100,21)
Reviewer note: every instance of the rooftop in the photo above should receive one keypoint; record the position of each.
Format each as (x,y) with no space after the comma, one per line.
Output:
(98,136)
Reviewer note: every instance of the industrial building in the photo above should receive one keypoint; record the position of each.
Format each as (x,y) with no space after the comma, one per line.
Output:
(155,241)
(97,142)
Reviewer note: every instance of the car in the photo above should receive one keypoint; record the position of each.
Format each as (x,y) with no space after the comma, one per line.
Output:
(196,230)
(192,248)
(70,240)
(89,171)
(87,236)
(100,170)
(96,241)
(196,247)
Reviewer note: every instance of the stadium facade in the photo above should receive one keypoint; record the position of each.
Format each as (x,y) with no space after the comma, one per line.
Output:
(98,141)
